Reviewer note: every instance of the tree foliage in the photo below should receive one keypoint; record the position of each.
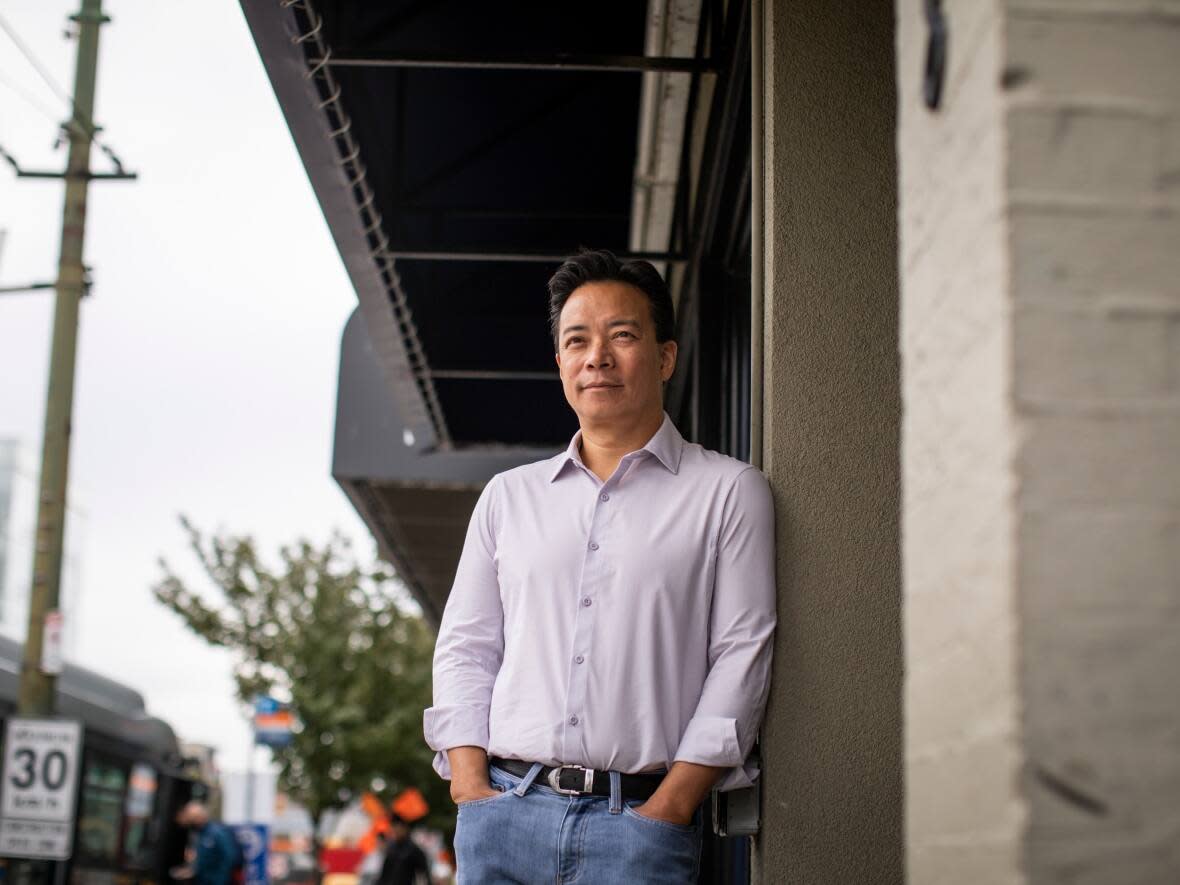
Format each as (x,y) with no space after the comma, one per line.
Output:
(339,640)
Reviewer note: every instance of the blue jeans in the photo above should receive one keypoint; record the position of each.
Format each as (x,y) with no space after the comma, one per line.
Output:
(532,834)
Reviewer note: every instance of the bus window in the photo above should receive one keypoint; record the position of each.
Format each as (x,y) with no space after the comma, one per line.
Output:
(139,837)
(100,814)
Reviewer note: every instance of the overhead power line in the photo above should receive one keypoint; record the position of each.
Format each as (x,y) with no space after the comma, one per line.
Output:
(35,62)
(76,116)
(28,97)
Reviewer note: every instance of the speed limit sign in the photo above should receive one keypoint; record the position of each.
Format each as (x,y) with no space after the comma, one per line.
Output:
(37,790)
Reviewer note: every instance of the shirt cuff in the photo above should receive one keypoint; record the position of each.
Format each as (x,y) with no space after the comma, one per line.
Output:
(738,777)
(453,726)
(710,740)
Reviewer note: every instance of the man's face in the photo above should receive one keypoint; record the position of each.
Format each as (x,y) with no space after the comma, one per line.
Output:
(612,368)
(192,815)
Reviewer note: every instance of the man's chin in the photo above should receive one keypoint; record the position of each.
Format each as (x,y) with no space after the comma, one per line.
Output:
(602,410)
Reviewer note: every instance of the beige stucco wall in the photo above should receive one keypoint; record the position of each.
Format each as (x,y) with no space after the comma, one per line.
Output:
(832,740)
(1040,256)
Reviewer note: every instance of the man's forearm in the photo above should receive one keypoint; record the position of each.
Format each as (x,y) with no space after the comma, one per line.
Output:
(683,789)
(469,769)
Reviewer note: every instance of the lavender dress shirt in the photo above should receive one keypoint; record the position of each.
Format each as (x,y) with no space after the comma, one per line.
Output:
(619,625)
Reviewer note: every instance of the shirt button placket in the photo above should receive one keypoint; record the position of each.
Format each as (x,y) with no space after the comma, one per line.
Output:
(593,575)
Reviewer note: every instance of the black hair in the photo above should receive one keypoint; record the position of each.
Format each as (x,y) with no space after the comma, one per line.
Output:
(599,266)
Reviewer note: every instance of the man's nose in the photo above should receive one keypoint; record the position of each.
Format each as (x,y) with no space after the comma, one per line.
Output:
(599,355)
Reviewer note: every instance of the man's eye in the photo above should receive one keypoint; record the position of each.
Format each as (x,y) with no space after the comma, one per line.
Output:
(570,342)
(621,334)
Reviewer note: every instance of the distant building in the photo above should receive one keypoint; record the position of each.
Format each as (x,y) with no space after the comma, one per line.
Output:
(249,796)
(200,761)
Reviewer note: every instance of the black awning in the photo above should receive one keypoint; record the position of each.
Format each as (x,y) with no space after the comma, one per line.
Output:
(481,142)
(459,150)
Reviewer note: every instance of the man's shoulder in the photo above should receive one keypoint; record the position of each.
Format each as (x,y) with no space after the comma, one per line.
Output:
(698,460)
(528,474)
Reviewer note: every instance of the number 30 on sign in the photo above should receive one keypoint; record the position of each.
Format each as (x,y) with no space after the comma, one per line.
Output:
(37,791)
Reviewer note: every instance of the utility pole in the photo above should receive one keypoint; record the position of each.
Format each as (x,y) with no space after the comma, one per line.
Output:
(37,686)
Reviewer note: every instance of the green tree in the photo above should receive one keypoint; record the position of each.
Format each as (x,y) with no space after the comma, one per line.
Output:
(342,642)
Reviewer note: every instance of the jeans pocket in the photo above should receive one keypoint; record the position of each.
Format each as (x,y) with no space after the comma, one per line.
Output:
(687,829)
(475,803)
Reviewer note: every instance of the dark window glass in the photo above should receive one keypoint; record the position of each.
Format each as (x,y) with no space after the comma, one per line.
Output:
(139,834)
(100,816)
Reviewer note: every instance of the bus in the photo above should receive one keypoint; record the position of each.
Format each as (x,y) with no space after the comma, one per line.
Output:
(133,778)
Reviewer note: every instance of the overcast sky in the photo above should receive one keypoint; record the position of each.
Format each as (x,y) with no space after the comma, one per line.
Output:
(208,350)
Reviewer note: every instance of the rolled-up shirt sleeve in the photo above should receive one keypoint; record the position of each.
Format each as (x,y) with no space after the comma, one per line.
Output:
(470,644)
(722,730)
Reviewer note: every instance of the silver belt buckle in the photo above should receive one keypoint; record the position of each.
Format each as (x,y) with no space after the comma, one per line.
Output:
(554,779)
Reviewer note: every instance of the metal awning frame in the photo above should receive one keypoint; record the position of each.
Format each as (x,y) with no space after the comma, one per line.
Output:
(389,317)
(407,254)
(616,64)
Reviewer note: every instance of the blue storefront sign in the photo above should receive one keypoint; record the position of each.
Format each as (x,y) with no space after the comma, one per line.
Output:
(254,839)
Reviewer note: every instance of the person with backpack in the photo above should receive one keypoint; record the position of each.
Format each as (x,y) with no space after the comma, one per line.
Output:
(219,858)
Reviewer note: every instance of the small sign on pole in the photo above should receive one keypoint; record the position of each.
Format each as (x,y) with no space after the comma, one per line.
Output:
(274,722)
(254,841)
(51,644)
(40,780)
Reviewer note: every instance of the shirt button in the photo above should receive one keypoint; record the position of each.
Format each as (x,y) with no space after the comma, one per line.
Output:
(587,601)
(579,659)
(573,720)
(605,497)
(593,545)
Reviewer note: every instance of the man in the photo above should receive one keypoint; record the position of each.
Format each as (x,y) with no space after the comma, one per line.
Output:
(217,852)
(607,640)
(405,863)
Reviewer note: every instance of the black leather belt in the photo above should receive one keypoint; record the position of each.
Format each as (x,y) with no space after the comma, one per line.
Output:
(574,780)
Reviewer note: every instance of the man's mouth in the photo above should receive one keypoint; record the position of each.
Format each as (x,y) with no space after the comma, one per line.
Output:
(600,385)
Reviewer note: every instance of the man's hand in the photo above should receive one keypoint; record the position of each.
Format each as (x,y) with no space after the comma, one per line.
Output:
(679,796)
(661,811)
(469,774)
(471,793)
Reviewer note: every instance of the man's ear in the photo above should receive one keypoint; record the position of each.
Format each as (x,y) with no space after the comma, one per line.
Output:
(668,352)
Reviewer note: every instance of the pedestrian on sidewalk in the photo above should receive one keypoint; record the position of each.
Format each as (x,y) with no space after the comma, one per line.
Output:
(217,855)
(604,657)
(405,863)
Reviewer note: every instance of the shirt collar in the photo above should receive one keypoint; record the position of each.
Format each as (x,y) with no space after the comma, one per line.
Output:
(667,446)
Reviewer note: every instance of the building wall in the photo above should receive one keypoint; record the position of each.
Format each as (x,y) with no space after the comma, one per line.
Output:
(1040,257)
(1093,188)
(964,811)
(832,782)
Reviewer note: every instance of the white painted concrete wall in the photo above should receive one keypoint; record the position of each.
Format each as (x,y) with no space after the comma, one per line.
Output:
(1040,277)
